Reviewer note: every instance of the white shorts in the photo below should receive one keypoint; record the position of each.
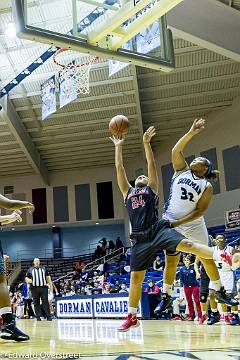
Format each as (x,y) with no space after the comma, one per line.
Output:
(195,231)
(227,280)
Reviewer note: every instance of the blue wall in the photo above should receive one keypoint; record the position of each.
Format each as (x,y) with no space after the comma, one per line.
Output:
(75,240)
(30,243)
(78,240)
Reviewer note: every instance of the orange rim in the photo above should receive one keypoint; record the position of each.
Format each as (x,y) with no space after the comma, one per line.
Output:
(63,66)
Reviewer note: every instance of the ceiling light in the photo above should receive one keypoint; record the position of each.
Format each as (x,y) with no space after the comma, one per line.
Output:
(10,30)
(97,223)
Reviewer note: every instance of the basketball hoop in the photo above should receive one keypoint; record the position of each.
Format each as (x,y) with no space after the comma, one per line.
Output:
(72,65)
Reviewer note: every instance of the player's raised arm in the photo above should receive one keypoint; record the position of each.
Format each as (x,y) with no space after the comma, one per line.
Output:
(122,180)
(152,169)
(8,204)
(178,159)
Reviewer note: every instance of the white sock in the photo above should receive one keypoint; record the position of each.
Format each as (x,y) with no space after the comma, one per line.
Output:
(167,289)
(132,310)
(5,310)
(216,284)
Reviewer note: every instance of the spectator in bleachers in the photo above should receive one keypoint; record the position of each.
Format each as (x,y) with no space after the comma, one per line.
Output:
(117,285)
(177,303)
(190,283)
(154,296)
(106,288)
(105,276)
(75,275)
(110,247)
(16,300)
(158,265)
(103,251)
(98,252)
(123,289)
(96,289)
(119,243)
(20,286)
(152,288)
(126,269)
(70,291)
(103,247)
(117,267)
(27,301)
(103,242)
(88,289)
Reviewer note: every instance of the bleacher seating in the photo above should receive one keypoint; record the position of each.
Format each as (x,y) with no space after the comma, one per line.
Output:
(63,266)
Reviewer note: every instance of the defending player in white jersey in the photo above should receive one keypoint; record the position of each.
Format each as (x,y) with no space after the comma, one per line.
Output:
(189,198)
(227,277)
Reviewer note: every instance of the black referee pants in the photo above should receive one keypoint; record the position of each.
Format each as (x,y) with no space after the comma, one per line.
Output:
(40,293)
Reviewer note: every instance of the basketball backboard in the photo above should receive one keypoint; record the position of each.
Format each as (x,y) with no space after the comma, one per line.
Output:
(131,31)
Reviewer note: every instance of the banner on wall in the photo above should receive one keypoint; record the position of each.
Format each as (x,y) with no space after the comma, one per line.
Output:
(99,306)
(77,308)
(112,307)
(232,219)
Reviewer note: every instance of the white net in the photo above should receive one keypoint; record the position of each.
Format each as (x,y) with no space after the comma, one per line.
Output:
(76,68)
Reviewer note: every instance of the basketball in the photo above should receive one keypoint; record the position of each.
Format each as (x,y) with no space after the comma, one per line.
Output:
(119,125)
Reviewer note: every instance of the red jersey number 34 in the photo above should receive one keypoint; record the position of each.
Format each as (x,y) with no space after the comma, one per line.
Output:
(137,201)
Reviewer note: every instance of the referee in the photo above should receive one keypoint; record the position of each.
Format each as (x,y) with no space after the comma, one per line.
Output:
(38,277)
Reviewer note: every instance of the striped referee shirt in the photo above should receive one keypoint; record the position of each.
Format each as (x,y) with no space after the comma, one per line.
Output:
(38,275)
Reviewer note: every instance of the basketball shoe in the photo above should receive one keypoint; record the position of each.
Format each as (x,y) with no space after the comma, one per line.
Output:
(214,318)
(202,319)
(235,320)
(130,322)
(227,320)
(9,331)
(222,297)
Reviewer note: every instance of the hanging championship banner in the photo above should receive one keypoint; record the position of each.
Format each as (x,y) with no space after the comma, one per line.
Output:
(67,88)
(114,66)
(48,94)
(148,39)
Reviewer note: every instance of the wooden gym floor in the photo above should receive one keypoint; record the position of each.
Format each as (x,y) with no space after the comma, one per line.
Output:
(99,339)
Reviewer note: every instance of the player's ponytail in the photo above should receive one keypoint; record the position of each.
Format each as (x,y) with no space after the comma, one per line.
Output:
(210,173)
(213,175)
